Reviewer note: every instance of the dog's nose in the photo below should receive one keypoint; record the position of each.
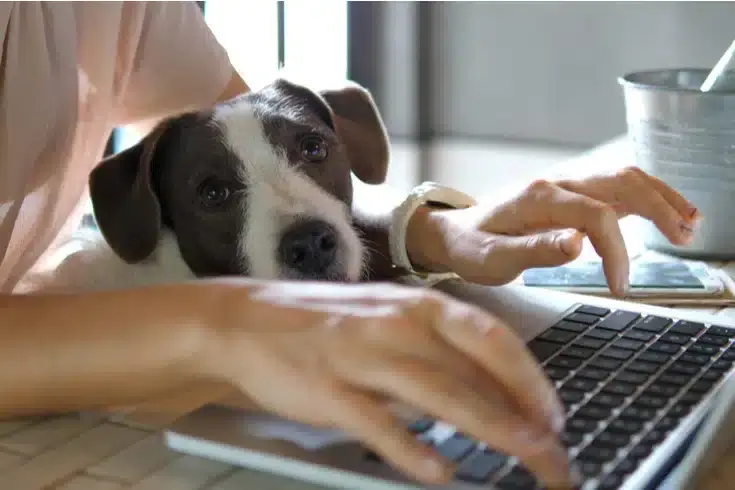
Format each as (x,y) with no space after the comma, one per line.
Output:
(309,247)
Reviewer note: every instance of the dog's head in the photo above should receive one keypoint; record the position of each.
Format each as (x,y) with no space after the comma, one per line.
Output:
(258,186)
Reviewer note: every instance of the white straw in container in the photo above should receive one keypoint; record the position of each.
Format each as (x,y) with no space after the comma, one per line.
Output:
(726,62)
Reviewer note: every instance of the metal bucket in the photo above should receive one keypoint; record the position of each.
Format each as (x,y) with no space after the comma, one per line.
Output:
(686,138)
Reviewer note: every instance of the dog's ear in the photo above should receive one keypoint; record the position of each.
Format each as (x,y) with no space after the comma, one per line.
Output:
(124,202)
(361,129)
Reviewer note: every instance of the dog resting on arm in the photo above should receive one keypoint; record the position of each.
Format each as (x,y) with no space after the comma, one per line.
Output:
(260,186)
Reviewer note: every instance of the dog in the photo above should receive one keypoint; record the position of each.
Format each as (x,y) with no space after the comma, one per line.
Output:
(259,186)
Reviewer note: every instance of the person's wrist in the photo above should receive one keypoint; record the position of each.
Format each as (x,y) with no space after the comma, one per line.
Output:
(426,242)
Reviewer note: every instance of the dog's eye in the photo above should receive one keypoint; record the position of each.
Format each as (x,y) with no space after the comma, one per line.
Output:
(214,192)
(313,148)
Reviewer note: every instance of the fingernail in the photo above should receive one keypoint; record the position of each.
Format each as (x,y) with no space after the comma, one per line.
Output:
(556,413)
(693,212)
(568,243)
(623,286)
(434,469)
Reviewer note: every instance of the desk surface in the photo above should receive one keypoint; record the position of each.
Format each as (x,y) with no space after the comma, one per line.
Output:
(125,450)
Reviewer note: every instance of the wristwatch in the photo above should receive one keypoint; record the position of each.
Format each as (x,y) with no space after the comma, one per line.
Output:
(429,193)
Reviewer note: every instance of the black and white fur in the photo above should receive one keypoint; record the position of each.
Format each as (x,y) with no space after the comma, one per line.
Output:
(260,186)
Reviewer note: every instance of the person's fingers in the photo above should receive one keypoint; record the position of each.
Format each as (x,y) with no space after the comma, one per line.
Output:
(502,258)
(482,415)
(502,353)
(372,423)
(632,191)
(545,206)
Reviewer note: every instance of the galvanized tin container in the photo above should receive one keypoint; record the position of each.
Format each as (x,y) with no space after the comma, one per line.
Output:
(687,138)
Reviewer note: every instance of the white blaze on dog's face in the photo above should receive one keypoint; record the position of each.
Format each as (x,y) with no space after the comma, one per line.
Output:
(259,186)
(294,228)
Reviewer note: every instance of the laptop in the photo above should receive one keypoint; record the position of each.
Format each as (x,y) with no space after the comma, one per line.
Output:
(648,392)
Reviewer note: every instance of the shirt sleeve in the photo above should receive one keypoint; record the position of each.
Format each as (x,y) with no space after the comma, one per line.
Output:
(173,60)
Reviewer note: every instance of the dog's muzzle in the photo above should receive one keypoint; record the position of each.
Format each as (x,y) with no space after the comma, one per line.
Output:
(309,248)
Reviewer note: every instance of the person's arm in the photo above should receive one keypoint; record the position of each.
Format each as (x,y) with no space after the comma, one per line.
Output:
(88,351)
(373,207)
(179,65)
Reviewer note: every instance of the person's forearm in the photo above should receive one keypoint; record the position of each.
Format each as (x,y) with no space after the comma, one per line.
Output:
(82,352)
(373,207)
(235,87)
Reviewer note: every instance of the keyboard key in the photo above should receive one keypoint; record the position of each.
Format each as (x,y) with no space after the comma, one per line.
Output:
(602,334)
(625,468)
(673,379)
(456,447)
(607,400)
(728,355)
(650,401)
(701,386)
(708,338)
(655,357)
(628,344)
(571,439)
(605,363)
(594,374)
(581,426)
(589,342)
(655,324)
(581,384)
(619,320)
(597,454)
(610,482)
(636,378)
(690,398)
(667,424)
(676,338)
(571,326)
(570,397)
(721,365)
(712,375)
(593,310)
(685,327)
(653,437)
(680,367)
(638,413)
(583,318)
(706,349)
(641,335)
(696,359)
(593,412)
(480,466)
(721,331)
(565,362)
(664,347)
(640,451)
(555,373)
(620,354)
(662,390)
(611,439)
(422,425)
(558,336)
(542,349)
(578,352)
(517,479)
(590,469)
(617,388)
(643,367)
(680,410)
(625,426)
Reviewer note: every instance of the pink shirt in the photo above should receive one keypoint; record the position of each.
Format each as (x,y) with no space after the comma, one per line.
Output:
(71,71)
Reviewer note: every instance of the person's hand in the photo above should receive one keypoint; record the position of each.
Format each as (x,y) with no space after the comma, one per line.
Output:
(545,225)
(335,356)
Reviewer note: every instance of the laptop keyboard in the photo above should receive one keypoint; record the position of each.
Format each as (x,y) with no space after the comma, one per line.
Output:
(626,379)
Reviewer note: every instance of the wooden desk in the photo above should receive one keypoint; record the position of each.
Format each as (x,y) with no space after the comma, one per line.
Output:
(125,451)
